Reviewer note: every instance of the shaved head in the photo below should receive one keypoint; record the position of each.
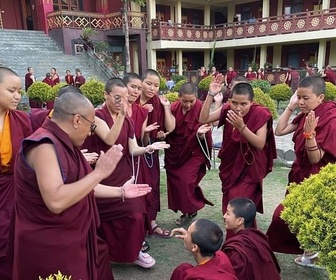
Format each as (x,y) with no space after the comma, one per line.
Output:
(4,71)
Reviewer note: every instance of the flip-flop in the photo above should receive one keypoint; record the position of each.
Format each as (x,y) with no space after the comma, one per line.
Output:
(303,261)
(165,232)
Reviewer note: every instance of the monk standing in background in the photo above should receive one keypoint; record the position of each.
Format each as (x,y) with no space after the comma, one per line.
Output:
(159,114)
(79,79)
(122,222)
(188,157)
(54,179)
(248,250)
(69,79)
(248,146)
(54,76)
(14,127)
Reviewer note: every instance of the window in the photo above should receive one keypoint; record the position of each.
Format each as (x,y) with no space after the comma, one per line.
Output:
(73,5)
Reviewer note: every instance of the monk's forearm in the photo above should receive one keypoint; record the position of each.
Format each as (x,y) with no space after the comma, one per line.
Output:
(205,111)
(314,151)
(115,130)
(102,191)
(255,140)
(283,121)
(169,119)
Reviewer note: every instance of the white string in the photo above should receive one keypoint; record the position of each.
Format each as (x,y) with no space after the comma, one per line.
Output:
(133,168)
(151,155)
(206,153)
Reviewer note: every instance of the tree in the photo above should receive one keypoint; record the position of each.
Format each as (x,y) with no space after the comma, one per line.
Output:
(127,3)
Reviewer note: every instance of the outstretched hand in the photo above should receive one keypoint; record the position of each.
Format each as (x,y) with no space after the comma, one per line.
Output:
(203,129)
(135,190)
(90,157)
(164,101)
(216,84)
(152,127)
(180,233)
(108,161)
(158,146)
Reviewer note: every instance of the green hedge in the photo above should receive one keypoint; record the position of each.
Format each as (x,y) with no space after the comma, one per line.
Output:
(265,86)
(172,96)
(204,84)
(310,211)
(93,89)
(53,91)
(330,91)
(39,91)
(264,99)
(178,85)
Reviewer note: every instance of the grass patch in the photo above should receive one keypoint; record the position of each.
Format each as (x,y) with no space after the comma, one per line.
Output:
(168,253)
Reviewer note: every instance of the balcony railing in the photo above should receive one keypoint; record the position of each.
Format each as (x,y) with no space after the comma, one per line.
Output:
(293,23)
(73,19)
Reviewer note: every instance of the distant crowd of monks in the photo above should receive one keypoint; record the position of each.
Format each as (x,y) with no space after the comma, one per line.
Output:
(82,185)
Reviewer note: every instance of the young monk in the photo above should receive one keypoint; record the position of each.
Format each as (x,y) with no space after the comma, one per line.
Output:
(314,146)
(122,222)
(249,251)
(188,157)
(248,146)
(203,240)
(14,127)
(159,114)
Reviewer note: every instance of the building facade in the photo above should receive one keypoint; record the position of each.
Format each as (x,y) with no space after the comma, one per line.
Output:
(178,36)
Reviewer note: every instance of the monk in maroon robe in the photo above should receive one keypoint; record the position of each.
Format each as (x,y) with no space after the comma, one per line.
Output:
(189,155)
(250,74)
(60,234)
(158,113)
(79,79)
(230,74)
(69,79)
(15,126)
(48,80)
(203,239)
(122,222)
(249,251)
(329,75)
(308,160)
(248,147)
(54,76)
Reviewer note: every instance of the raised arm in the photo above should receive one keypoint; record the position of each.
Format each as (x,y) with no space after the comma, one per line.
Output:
(168,116)
(57,195)
(284,126)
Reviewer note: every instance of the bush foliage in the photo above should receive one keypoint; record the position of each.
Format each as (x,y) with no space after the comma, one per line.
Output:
(204,84)
(280,92)
(163,83)
(310,211)
(178,85)
(53,91)
(39,91)
(93,89)
(58,276)
(263,99)
(330,91)
(177,78)
(172,96)
(265,86)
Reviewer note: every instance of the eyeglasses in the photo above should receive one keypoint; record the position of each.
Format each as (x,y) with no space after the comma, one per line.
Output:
(93,126)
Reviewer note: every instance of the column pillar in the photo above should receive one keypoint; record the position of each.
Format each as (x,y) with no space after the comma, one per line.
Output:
(265,8)
(321,54)
(151,59)
(280,8)
(230,57)
(263,55)
(206,59)
(325,4)
(277,50)
(179,55)
(231,11)
(178,12)
(207,15)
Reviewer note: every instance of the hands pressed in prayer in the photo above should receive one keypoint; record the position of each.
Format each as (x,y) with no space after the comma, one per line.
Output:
(310,122)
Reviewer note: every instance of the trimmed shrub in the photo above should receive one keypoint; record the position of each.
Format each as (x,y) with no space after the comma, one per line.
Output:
(264,99)
(172,96)
(330,91)
(177,78)
(310,211)
(39,91)
(265,86)
(53,91)
(93,89)
(280,92)
(204,84)
(163,83)
(178,85)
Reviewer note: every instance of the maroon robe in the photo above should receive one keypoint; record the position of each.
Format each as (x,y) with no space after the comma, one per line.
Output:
(46,242)
(330,76)
(230,75)
(185,161)
(37,117)
(152,160)
(251,256)
(28,81)
(48,81)
(218,268)
(250,76)
(295,80)
(20,128)
(79,80)
(280,237)
(69,79)
(122,223)
(56,79)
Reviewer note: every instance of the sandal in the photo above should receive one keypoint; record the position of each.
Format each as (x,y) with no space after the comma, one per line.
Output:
(145,247)
(165,233)
(192,215)
(308,261)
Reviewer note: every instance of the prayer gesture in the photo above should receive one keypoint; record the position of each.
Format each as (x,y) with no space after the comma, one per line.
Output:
(310,122)
(180,233)
(157,146)
(216,84)
(131,190)
(235,119)
(164,101)
(149,107)
(108,161)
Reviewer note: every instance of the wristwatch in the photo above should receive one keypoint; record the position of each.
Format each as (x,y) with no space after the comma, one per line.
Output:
(309,135)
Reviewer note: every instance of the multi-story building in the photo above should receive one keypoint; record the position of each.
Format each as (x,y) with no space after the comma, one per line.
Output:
(180,35)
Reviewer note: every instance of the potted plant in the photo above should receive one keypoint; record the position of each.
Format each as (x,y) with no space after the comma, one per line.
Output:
(268,65)
(86,35)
